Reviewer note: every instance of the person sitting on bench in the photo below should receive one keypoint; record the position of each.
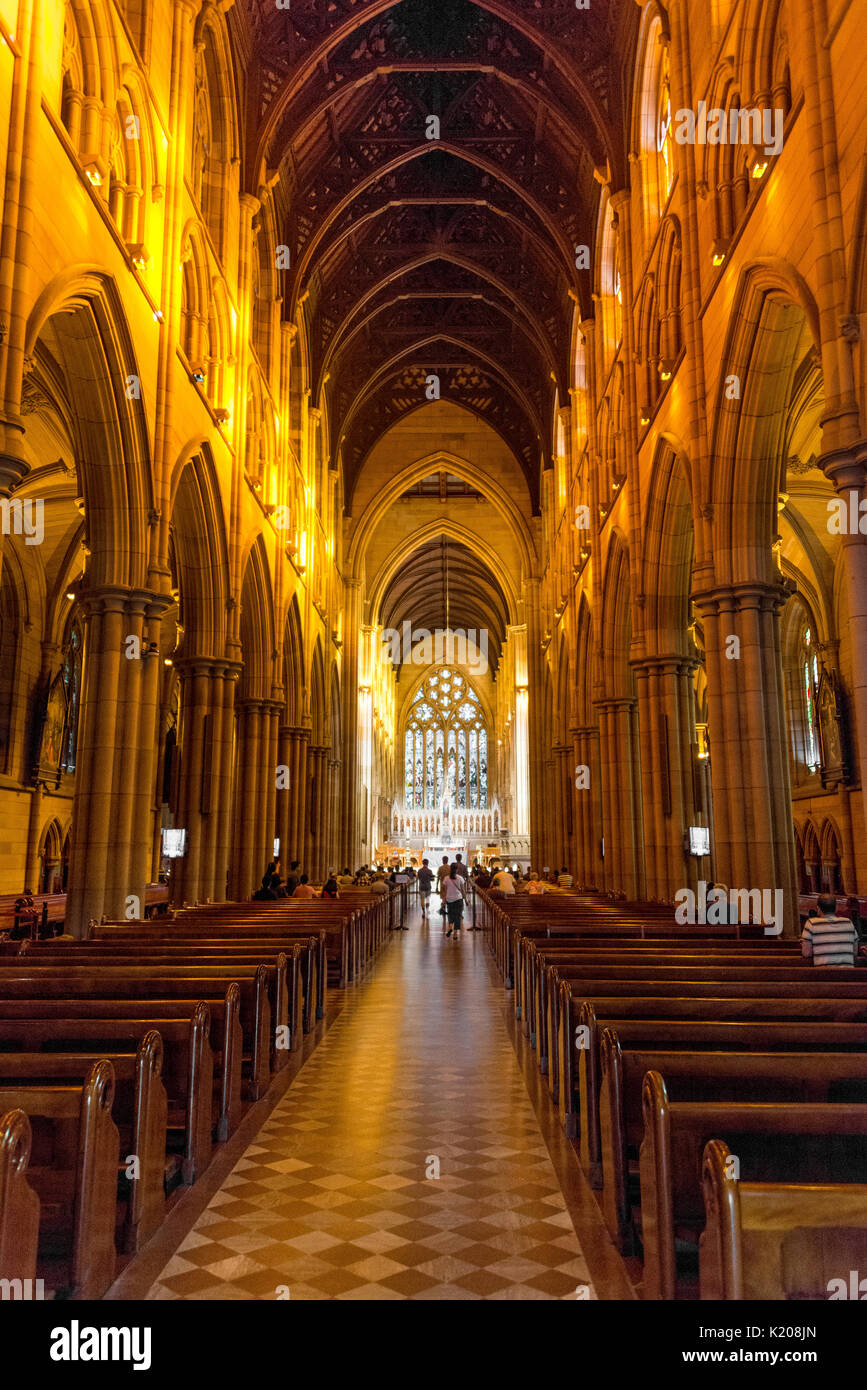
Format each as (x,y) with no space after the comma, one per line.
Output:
(829,939)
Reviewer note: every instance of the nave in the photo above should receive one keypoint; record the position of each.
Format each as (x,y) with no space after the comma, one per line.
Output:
(332,1198)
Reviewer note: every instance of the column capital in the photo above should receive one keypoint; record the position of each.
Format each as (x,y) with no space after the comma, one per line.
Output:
(750,593)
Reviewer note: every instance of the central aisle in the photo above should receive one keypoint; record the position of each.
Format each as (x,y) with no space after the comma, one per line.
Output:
(338,1196)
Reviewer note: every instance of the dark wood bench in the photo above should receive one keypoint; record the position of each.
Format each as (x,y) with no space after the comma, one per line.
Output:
(252,986)
(73,1170)
(812,1143)
(538,982)
(191,941)
(19,1204)
(849,1005)
(683,1034)
(191,1060)
(776,1241)
(225,1009)
(784,1076)
(140,1112)
(286,984)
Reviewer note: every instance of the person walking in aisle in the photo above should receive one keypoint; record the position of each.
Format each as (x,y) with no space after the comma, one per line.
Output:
(454,894)
(442,873)
(425,881)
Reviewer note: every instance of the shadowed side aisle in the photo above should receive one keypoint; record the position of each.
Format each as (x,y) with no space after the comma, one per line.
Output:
(405,1160)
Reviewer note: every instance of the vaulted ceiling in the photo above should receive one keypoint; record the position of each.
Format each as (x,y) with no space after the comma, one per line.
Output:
(452,256)
(443,584)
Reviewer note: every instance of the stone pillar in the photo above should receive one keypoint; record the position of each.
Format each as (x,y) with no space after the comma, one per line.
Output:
(299,796)
(244,878)
(846,470)
(332,812)
(350,842)
(666,748)
(227,788)
(283,808)
(206,784)
(587,800)
(621,820)
(753,829)
(114,727)
(268,796)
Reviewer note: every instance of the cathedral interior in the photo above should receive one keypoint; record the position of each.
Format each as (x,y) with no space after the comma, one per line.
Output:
(432,428)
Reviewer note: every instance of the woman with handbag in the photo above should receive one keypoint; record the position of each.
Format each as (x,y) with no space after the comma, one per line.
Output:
(454,896)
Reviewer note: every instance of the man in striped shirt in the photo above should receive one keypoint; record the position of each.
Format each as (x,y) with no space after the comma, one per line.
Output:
(829,939)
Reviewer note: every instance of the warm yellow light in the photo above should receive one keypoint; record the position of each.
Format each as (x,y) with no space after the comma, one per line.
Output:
(719,257)
(759,168)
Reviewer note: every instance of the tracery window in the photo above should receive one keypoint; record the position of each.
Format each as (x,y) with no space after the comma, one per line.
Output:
(810,668)
(446,744)
(72,662)
(664,137)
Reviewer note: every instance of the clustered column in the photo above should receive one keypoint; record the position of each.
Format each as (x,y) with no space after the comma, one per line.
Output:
(668,791)
(587,865)
(754,833)
(110,851)
(621,806)
(205,789)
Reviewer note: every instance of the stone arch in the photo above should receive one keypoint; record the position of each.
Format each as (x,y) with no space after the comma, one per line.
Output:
(83,362)
(257,626)
(214,146)
(667,554)
(198,532)
(774,322)
(294,678)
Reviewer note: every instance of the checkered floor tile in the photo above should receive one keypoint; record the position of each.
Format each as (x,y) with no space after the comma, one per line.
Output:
(404,1162)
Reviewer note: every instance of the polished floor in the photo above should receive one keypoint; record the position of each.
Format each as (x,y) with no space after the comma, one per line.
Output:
(405,1160)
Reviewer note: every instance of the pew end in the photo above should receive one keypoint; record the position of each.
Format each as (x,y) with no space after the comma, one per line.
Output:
(19,1204)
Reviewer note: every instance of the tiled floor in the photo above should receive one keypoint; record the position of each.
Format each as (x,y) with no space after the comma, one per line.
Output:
(404,1161)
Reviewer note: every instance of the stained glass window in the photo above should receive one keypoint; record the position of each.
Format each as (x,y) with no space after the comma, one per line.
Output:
(72,682)
(811,685)
(446,744)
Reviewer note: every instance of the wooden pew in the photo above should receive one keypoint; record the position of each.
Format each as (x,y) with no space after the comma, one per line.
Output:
(140,1112)
(535,955)
(242,991)
(188,1063)
(775,1241)
(19,1204)
(683,1034)
(219,938)
(286,983)
(544,968)
(784,1076)
(811,1143)
(73,1170)
(225,1011)
(842,1004)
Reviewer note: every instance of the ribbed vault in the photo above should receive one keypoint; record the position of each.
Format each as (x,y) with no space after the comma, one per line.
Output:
(444,584)
(449,252)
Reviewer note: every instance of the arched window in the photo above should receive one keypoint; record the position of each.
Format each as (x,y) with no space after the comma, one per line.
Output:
(655,134)
(72,663)
(802,672)
(446,744)
(810,673)
(664,138)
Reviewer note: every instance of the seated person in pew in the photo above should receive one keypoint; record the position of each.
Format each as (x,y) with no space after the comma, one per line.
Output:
(828,939)
(305,889)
